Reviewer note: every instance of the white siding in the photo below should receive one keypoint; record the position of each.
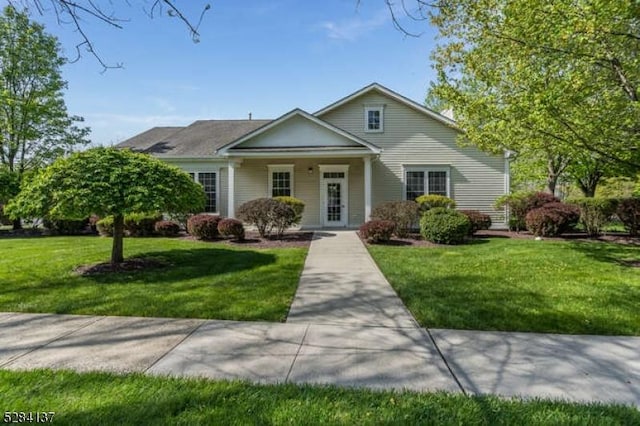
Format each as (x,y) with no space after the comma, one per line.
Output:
(252,181)
(208,166)
(298,131)
(412,138)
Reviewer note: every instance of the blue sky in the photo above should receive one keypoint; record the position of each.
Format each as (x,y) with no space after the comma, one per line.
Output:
(264,57)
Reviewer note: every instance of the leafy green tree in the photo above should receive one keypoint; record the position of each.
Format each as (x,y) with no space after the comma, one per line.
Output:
(107,182)
(558,76)
(35,127)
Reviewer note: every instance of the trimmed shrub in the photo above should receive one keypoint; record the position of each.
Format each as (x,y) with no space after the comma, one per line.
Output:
(66,226)
(231,228)
(444,226)
(628,212)
(427,202)
(521,203)
(296,204)
(141,224)
(377,231)
(167,228)
(552,219)
(203,226)
(267,214)
(282,216)
(105,226)
(594,213)
(479,221)
(403,214)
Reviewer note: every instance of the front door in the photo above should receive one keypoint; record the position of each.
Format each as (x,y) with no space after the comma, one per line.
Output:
(335,202)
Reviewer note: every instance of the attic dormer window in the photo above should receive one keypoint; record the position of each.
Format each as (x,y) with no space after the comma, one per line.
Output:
(374,118)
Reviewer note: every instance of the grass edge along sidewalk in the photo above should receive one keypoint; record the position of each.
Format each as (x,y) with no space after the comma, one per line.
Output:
(103,398)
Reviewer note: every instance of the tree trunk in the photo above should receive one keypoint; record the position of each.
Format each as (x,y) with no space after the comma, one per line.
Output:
(588,189)
(556,164)
(17,224)
(118,237)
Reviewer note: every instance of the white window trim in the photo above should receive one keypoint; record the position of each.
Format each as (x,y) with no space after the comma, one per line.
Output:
(272,168)
(368,108)
(426,169)
(196,178)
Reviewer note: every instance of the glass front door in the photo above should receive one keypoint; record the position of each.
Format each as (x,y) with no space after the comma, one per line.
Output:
(334,211)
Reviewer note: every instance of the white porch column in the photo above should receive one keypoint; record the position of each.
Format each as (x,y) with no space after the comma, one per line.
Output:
(367,187)
(231,206)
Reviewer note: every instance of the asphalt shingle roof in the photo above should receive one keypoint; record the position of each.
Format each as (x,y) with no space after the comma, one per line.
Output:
(200,139)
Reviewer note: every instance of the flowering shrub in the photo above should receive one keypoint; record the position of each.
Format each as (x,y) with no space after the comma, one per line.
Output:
(377,231)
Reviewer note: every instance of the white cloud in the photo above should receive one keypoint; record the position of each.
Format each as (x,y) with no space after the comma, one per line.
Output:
(354,28)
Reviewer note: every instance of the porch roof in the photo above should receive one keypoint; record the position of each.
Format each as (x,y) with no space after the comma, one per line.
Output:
(298,133)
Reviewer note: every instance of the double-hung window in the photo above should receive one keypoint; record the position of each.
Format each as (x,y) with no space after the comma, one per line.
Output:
(374,118)
(209,182)
(281,180)
(420,180)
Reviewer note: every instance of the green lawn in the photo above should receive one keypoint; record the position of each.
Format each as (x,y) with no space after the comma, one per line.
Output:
(98,398)
(518,285)
(204,280)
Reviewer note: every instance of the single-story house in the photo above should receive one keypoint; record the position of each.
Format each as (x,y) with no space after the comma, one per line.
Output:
(369,147)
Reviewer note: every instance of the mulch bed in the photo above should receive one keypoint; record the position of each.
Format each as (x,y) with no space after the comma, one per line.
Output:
(619,238)
(129,265)
(253,240)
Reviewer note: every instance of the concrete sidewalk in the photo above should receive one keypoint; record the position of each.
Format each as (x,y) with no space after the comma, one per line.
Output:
(346,327)
(575,368)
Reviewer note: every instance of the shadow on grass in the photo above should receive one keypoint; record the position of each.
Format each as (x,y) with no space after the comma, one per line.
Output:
(620,254)
(455,301)
(185,264)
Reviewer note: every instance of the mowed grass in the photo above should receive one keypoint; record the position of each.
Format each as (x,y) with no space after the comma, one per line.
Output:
(519,285)
(204,280)
(107,399)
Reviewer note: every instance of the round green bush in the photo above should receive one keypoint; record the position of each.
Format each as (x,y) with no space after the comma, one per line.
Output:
(377,231)
(444,226)
(267,214)
(203,226)
(231,227)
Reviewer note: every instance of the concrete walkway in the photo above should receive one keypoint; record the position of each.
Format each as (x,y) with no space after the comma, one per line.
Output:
(341,284)
(330,338)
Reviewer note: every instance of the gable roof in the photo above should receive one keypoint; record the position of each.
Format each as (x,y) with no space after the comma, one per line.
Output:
(396,96)
(305,115)
(201,138)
